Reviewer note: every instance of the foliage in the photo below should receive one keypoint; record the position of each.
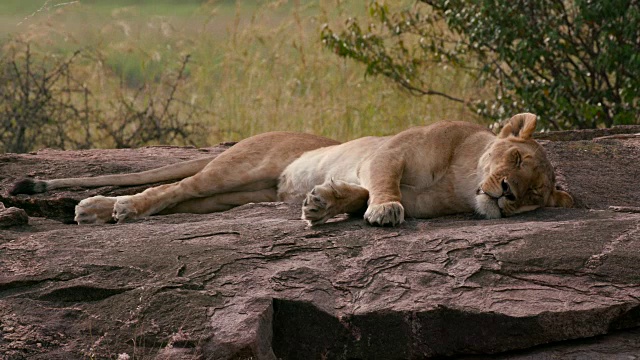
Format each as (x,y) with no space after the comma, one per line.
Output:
(576,63)
(43,102)
(33,110)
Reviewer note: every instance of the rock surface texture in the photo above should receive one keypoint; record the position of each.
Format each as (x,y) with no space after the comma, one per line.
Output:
(257,283)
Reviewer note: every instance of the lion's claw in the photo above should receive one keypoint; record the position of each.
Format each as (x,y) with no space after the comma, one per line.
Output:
(124,209)
(386,214)
(316,208)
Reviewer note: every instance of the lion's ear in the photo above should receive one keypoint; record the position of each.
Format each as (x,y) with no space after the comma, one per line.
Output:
(521,125)
(560,198)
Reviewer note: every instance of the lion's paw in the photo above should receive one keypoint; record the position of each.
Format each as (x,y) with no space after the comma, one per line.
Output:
(124,209)
(317,206)
(95,210)
(386,214)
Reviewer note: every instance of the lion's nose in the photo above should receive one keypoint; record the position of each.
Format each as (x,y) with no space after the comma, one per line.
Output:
(505,186)
(506,190)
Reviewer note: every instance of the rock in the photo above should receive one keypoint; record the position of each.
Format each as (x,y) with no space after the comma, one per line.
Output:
(618,345)
(12,217)
(257,282)
(588,134)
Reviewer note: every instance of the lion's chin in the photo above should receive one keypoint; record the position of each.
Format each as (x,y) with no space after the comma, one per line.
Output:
(487,206)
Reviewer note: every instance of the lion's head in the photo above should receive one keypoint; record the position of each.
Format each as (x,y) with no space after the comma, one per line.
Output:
(516,175)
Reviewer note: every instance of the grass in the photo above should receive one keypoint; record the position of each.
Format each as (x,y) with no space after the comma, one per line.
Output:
(256,66)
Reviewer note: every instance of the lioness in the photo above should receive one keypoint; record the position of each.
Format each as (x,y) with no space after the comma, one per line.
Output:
(422,172)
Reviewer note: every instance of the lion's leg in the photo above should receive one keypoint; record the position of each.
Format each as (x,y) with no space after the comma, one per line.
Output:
(333,198)
(221,175)
(381,175)
(221,202)
(99,209)
(253,165)
(213,180)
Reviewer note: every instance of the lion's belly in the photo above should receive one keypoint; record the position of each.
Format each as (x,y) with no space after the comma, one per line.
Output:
(338,162)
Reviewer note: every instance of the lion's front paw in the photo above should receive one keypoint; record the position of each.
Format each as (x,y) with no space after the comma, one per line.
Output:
(317,206)
(124,209)
(95,210)
(386,214)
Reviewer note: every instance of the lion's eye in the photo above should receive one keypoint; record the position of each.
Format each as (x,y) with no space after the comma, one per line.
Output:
(517,158)
(537,192)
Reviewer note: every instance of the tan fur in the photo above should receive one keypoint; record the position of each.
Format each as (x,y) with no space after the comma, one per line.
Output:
(445,168)
(169,172)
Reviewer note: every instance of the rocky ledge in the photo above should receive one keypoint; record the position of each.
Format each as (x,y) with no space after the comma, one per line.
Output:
(257,283)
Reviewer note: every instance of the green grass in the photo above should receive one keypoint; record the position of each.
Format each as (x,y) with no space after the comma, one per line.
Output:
(256,66)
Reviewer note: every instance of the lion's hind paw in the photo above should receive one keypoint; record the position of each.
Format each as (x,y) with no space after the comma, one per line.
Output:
(124,209)
(95,210)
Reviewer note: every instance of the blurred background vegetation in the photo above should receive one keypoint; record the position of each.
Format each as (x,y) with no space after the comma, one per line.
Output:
(126,73)
(113,74)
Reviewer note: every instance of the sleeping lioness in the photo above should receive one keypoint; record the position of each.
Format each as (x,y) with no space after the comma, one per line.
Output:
(423,172)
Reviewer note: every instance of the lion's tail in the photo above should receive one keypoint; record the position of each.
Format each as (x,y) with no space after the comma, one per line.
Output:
(165,173)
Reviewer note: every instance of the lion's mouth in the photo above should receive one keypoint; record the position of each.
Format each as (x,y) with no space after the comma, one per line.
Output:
(482,192)
(506,193)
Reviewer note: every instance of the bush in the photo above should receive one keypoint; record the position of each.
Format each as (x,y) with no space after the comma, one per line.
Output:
(34,110)
(43,104)
(576,63)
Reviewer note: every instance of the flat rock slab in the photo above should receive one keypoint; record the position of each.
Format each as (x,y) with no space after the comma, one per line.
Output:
(257,282)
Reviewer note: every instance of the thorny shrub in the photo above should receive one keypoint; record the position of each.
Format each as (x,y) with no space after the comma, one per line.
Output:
(44,103)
